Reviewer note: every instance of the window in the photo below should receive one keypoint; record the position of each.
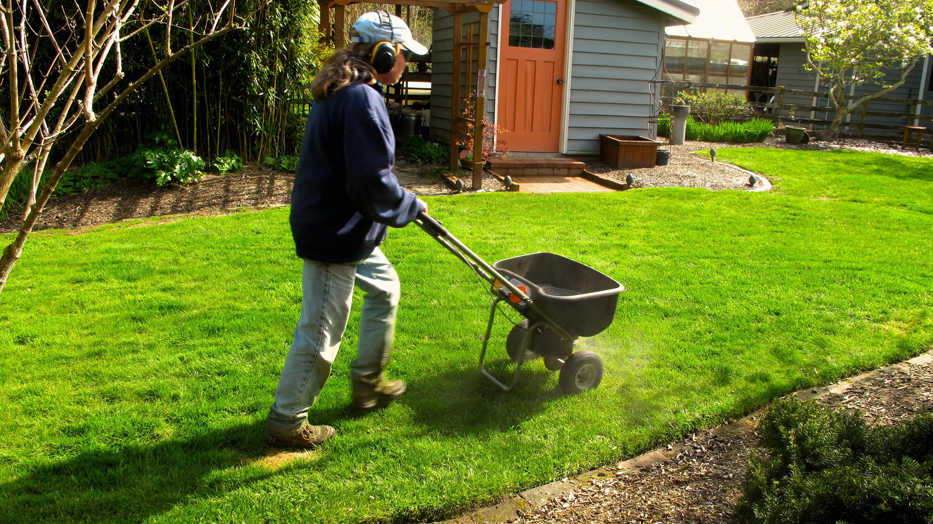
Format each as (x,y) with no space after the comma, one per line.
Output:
(706,61)
(532,24)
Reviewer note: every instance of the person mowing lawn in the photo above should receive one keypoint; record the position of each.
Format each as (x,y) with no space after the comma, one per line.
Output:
(345,196)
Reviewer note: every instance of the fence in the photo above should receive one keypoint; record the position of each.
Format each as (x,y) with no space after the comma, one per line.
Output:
(772,103)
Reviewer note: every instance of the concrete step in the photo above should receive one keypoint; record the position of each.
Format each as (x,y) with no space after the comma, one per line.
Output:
(541,166)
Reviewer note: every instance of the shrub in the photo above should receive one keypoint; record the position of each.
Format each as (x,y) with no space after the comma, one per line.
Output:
(418,150)
(179,166)
(87,177)
(161,159)
(229,162)
(285,163)
(824,465)
(664,125)
(714,107)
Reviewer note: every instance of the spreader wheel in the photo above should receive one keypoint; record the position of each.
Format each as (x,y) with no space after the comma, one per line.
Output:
(582,371)
(513,344)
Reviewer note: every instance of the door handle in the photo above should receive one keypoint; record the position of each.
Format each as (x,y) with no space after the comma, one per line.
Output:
(560,81)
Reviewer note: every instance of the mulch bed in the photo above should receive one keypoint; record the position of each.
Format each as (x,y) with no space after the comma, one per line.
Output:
(252,188)
(257,186)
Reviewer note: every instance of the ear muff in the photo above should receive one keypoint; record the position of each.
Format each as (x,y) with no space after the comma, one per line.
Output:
(383,57)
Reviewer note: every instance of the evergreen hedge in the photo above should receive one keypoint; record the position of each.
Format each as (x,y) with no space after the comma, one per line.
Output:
(825,465)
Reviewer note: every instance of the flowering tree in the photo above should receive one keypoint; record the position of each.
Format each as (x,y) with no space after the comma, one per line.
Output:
(853,42)
(61,74)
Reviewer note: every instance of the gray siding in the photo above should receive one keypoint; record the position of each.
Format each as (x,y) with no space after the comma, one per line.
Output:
(792,75)
(616,55)
(442,70)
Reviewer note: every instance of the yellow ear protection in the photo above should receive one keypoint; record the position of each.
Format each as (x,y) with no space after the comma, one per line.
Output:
(383,56)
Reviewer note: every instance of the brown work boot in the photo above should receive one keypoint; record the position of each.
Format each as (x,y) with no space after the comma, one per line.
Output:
(366,394)
(306,437)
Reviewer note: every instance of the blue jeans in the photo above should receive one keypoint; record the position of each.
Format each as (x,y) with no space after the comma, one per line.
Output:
(325,308)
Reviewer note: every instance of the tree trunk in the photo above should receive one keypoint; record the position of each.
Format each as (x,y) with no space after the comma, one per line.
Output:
(13,251)
(11,166)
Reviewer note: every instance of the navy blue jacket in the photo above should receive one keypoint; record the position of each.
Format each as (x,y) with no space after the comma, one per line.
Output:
(345,193)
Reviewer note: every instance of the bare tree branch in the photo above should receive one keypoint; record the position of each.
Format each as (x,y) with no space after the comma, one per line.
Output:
(89,81)
(12,68)
(76,55)
(45,23)
(170,10)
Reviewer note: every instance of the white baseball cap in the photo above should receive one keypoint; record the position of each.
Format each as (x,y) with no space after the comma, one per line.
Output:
(380,26)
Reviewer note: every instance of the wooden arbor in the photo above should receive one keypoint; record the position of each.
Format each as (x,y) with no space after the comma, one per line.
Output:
(336,32)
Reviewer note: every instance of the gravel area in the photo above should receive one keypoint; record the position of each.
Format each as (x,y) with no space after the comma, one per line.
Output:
(701,481)
(685,169)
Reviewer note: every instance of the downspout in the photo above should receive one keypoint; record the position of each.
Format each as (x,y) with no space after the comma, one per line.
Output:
(495,108)
(568,76)
(922,89)
(654,88)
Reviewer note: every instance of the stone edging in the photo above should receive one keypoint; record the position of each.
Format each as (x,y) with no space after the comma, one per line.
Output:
(528,501)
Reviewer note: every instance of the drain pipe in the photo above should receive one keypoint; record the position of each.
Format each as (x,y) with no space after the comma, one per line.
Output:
(922,90)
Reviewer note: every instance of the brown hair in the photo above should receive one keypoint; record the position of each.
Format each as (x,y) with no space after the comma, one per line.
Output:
(343,68)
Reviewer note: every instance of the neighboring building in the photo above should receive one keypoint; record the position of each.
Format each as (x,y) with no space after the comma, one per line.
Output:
(780,55)
(560,73)
(715,48)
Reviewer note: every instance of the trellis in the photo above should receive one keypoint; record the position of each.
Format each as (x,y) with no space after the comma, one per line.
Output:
(457,9)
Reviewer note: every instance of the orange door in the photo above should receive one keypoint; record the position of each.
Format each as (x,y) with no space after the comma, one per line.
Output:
(530,84)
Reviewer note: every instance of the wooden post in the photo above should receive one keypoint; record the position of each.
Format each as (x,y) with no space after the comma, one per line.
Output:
(340,33)
(324,26)
(479,118)
(861,120)
(779,104)
(455,95)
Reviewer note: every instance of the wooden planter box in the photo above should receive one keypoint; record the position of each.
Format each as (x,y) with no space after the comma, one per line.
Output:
(622,152)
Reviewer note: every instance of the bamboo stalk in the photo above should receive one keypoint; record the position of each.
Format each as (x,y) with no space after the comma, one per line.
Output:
(168,98)
(194,84)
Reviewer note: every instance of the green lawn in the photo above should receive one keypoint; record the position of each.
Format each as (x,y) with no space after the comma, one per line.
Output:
(138,363)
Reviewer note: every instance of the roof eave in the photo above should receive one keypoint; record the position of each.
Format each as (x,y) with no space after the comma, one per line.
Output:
(680,12)
(781,40)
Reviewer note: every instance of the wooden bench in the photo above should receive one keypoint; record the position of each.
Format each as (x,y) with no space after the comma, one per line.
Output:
(908,130)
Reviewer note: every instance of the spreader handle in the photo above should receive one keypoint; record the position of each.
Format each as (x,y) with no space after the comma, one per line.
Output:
(430,224)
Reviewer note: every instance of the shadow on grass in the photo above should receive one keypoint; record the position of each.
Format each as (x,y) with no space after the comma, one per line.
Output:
(134,482)
(461,401)
(898,167)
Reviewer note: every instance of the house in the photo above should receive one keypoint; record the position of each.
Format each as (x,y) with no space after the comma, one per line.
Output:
(557,73)
(780,55)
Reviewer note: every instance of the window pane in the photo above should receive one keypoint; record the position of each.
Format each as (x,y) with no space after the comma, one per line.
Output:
(532,24)
(675,47)
(717,79)
(696,57)
(719,58)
